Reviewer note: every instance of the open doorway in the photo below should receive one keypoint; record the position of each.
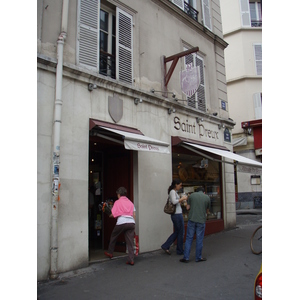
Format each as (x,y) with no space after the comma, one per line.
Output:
(110,166)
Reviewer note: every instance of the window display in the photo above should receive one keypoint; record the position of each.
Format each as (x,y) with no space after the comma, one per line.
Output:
(195,171)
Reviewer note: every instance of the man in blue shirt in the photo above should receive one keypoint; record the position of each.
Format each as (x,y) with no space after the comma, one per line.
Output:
(198,205)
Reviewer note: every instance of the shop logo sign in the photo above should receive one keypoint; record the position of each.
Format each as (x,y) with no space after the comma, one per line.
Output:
(190,80)
(115,108)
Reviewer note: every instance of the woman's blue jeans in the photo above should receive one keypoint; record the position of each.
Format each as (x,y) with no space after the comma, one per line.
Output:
(178,234)
(192,228)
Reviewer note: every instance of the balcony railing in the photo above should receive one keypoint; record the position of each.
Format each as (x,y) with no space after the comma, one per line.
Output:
(190,11)
(107,64)
(256,23)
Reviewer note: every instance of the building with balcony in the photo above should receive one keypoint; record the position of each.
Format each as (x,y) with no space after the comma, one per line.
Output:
(242,29)
(129,93)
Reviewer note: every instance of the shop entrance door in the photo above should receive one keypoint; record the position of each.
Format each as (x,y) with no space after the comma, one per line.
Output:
(110,166)
(118,170)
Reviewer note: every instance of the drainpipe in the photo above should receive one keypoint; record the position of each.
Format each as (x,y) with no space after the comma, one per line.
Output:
(56,143)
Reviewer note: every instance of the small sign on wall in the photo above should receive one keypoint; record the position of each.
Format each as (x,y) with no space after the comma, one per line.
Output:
(227,135)
(255,179)
(223,104)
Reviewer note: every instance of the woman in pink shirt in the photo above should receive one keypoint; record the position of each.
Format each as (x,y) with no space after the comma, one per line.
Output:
(124,210)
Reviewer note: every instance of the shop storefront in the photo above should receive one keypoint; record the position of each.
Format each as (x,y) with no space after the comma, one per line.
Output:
(115,152)
(197,170)
(113,159)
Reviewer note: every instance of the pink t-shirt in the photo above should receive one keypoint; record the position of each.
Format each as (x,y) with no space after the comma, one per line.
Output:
(122,207)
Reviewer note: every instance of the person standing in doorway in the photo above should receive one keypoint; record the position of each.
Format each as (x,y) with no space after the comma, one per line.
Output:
(198,205)
(124,210)
(177,219)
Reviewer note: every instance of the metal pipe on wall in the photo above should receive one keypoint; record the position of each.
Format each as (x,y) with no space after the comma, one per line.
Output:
(56,142)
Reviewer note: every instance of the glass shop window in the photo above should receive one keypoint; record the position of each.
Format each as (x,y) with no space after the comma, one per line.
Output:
(195,171)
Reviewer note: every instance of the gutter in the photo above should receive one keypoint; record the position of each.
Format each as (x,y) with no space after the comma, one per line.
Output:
(56,142)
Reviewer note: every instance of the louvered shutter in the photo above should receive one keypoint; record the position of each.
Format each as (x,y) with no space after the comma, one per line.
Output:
(257,105)
(88,48)
(206,14)
(245,13)
(258,59)
(124,60)
(198,99)
(179,3)
(190,100)
(201,88)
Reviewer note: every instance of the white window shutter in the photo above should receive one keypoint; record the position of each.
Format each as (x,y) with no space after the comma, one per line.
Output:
(179,3)
(257,106)
(198,99)
(88,46)
(245,13)
(124,60)
(258,58)
(201,88)
(206,14)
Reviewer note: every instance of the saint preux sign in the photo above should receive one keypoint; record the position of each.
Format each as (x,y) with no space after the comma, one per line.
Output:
(198,130)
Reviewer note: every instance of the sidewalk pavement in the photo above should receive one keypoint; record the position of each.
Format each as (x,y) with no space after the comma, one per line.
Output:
(249,211)
(228,273)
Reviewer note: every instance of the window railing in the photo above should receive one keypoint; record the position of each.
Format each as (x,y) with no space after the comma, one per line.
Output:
(190,11)
(107,64)
(256,23)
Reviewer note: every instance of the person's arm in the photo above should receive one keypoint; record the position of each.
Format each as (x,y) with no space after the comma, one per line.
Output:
(134,215)
(173,197)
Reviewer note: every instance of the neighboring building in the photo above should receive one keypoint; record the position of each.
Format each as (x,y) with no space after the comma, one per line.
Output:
(112,112)
(242,29)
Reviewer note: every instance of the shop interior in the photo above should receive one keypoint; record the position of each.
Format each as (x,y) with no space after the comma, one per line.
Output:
(194,171)
(106,159)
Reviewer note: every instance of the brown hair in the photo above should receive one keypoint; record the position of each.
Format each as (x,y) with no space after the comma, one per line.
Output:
(122,191)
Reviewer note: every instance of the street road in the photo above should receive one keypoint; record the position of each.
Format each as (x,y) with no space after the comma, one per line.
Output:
(228,273)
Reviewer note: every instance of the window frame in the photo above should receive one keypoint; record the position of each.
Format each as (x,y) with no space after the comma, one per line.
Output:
(89,57)
(202,71)
(258,58)
(258,14)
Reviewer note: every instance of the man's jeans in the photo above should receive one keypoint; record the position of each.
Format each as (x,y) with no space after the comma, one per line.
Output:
(193,228)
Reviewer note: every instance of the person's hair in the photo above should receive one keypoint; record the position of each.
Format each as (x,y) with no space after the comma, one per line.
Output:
(173,184)
(200,189)
(122,191)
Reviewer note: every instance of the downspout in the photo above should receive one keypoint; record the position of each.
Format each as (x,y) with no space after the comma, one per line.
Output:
(56,142)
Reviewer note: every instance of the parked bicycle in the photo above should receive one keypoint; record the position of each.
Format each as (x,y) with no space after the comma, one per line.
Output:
(256,241)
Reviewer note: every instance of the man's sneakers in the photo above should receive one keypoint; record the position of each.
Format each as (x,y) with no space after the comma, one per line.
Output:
(130,263)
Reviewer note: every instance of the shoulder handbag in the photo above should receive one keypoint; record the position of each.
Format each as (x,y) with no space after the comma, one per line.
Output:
(169,207)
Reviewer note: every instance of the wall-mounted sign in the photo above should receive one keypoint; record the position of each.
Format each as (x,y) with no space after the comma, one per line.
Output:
(190,80)
(227,135)
(223,104)
(195,128)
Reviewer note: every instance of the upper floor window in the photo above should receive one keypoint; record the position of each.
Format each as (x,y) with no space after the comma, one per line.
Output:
(255,14)
(198,99)
(104,42)
(258,58)
(107,36)
(257,103)
(189,7)
(251,13)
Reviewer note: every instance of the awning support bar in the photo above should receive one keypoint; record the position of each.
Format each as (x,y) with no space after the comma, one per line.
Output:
(207,156)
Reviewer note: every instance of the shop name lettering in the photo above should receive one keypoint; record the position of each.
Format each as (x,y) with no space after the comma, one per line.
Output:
(147,147)
(202,131)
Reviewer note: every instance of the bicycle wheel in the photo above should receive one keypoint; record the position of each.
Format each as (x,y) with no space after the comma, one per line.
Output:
(256,241)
